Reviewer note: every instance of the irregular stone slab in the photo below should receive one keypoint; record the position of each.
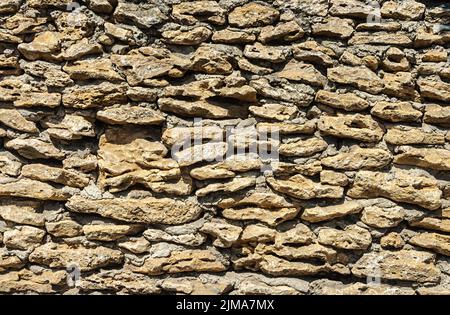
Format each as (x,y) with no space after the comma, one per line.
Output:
(57,175)
(212,151)
(382,217)
(182,261)
(347,101)
(398,39)
(22,212)
(259,199)
(23,237)
(401,85)
(308,127)
(9,164)
(357,126)
(232,36)
(26,281)
(288,31)
(408,135)
(351,8)
(188,239)
(62,255)
(94,96)
(396,112)
(226,234)
(226,169)
(298,94)
(432,223)
(306,73)
(360,77)
(135,115)
(436,159)
(319,214)
(333,178)
(330,287)
(301,187)
(234,185)
(108,232)
(13,119)
(257,233)
(70,127)
(438,243)
(392,240)
(35,149)
(82,48)
(274,111)
(64,228)
(194,36)
(180,135)
(33,189)
(308,252)
(201,108)
(266,53)
(334,27)
(270,217)
(435,114)
(148,210)
(45,46)
(406,265)
(37,99)
(358,158)
(123,282)
(352,237)
(303,148)
(193,11)
(401,186)
(407,10)
(95,69)
(141,15)
(209,60)
(300,234)
(9,6)
(253,14)
(435,90)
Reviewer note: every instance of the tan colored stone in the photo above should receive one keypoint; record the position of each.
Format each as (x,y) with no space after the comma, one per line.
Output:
(352,237)
(13,119)
(303,148)
(401,85)
(429,223)
(182,261)
(266,53)
(257,233)
(144,17)
(438,243)
(45,46)
(253,14)
(35,149)
(57,175)
(209,151)
(399,39)
(28,188)
(95,69)
(346,101)
(82,48)
(25,281)
(392,240)
(194,36)
(301,187)
(226,169)
(308,127)
(9,164)
(308,252)
(226,234)
(437,159)
(64,228)
(350,8)
(435,114)
(319,214)
(70,127)
(234,185)
(193,11)
(274,111)
(329,287)
(270,217)
(311,51)
(400,186)
(353,126)
(358,158)
(288,31)
(209,60)
(360,77)
(108,232)
(258,199)
(130,115)
(382,217)
(396,112)
(21,212)
(23,237)
(61,255)
(200,108)
(403,136)
(148,210)
(435,90)
(334,27)
(406,10)
(93,96)
(333,178)
(306,73)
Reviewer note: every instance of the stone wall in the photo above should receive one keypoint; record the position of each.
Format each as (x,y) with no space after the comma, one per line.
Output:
(100,108)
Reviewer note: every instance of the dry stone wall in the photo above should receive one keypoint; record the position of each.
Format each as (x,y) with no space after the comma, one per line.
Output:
(114,120)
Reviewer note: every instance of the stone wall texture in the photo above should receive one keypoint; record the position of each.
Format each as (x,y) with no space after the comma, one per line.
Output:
(103,102)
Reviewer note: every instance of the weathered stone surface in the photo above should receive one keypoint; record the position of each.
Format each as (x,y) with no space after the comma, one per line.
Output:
(266,53)
(226,169)
(21,212)
(346,101)
(435,90)
(229,36)
(358,158)
(355,126)
(25,281)
(306,73)
(44,46)
(334,27)
(435,114)
(436,242)
(61,255)
(270,217)
(407,10)
(274,111)
(191,12)
(64,228)
(92,96)
(319,214)
(147,210)
(200,108)
(301,187)
(382,217)
(407,265)
(182,261)
(437,159)
(392,240)
(330,287)
(191,37)
(381,39)
(108,232)
(399,186)
(352,8)
(57,175)
(396,112)
(305,147)
(70,127)
(13,119)
(360,77)
(253,14)
(404,136)
(130,115)
(288,31)
(96,69)
(35,149)
(352,237)
(33,189)
(143,16)
(433,223)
